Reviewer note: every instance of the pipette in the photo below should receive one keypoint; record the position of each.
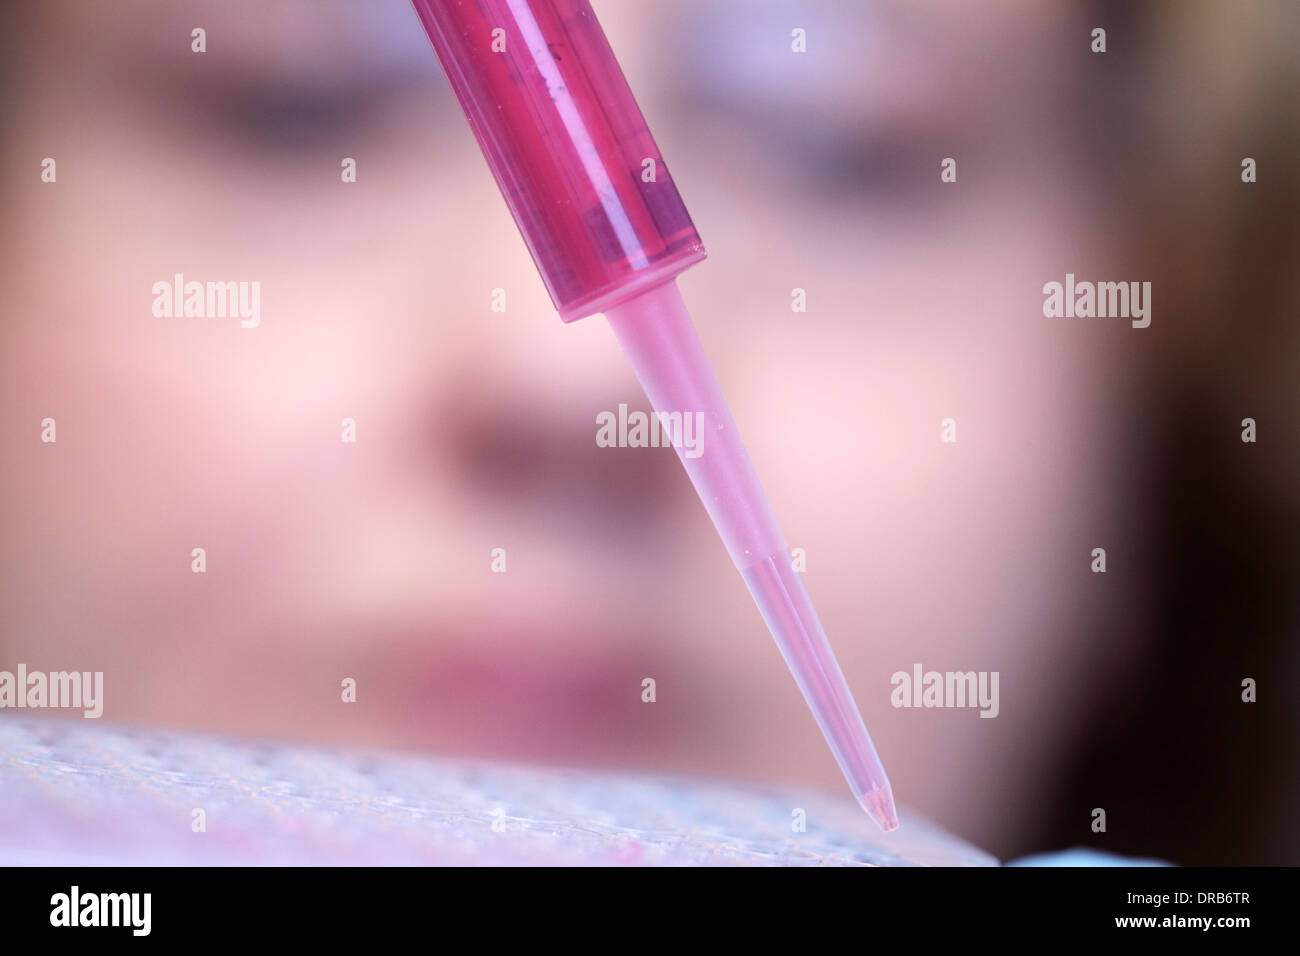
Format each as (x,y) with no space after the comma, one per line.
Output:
(604,222)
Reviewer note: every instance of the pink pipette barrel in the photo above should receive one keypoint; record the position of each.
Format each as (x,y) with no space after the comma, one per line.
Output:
(609,232)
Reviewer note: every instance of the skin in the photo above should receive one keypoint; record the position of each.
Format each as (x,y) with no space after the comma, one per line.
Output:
(475,430)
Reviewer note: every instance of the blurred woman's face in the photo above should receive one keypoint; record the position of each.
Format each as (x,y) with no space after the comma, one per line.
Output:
(475,429)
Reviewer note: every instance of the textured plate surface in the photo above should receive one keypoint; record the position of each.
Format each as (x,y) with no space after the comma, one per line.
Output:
(80,792)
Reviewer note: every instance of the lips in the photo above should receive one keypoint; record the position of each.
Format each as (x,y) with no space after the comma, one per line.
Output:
(490,688)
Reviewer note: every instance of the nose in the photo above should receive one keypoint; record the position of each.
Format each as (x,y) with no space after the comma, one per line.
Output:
(535,447)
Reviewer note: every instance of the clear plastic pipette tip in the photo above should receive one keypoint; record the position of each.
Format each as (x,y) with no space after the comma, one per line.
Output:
(879,805)
(657,335)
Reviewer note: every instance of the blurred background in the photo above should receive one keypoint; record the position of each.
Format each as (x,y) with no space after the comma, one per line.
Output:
(475,429)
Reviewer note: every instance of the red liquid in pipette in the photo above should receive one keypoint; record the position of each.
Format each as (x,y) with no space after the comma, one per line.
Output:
(568,146)
(590,192)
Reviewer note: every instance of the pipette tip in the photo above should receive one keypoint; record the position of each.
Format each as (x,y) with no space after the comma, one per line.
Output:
(879,805)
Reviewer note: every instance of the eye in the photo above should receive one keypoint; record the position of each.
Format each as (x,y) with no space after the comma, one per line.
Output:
(858,116)
(293,116)
(842,160)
